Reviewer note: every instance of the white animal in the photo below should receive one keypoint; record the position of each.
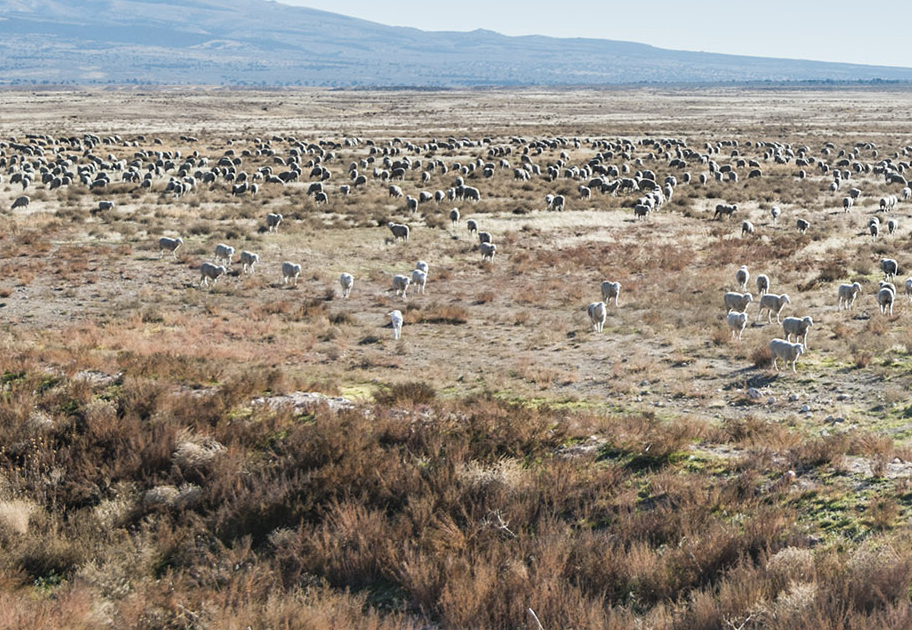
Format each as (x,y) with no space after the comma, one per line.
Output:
(890,267)
(885,298)
(598,313)
(787,351)
(485,237)
(273,220)
(487,251)
(248,260)
(763,283)
(423,266)
(737,301)
(396,321)
(775,211)
(742,276)
(169,244)
(772,302)
(892,224)
(611,290)
(747,228)
(290,271)
(399,230)
(472,226)
(346,280)
(208,272)
(908,286)
(224,252)
(419,279)
(736,323)
(401,284)
(847,295)
(797,326)
(454,216)
(874,228)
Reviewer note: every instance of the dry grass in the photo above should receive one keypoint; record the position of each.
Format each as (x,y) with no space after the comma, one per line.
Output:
(505,457)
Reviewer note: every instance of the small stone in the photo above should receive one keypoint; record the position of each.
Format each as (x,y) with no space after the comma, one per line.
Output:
(644,383)
(837,420)
(772,400)
(754,394)
(793,397)
(897,460)
(805,409)
(843,397)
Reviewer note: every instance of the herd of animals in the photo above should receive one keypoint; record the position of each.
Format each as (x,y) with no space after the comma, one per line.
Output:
(620,169)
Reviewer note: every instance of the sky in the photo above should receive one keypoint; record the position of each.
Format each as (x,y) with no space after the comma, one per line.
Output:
(852,31)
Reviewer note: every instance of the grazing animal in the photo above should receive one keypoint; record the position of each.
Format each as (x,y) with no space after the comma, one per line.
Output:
(724,210)
(169,245)
(737,301)
(611,290)
(787,351)
(742,276)
(224,252)
(273,220)
(399,230)
(248,260)
(890,268)
(419,279)
(290,271)
(21,202)
(472,226)
(736,323)
(763,283)
(487,251)
(797,326)
(772,302)
(775,211)
(208,272)
(847,295)
(802,225)
(454,216)
(347,281)
(597,315)
(401,284)
(396,322)
(885,298)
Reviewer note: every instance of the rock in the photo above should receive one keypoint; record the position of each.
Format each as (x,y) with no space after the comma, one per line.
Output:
(843,397)
(793,397)
(772,400)
(304,402)
(754,394)
(805,409)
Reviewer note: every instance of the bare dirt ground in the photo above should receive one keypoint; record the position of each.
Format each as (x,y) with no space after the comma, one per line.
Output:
(91,283)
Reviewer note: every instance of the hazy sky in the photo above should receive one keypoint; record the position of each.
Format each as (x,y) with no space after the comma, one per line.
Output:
(835,30)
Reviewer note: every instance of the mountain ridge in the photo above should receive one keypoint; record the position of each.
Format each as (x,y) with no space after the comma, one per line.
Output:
(257,42)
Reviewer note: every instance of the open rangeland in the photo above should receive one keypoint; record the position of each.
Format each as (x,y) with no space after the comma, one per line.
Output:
(192,437)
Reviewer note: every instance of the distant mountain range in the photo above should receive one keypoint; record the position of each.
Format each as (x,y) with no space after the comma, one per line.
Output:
(255,42)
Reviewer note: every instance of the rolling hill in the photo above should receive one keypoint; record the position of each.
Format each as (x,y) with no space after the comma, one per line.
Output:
(255,42)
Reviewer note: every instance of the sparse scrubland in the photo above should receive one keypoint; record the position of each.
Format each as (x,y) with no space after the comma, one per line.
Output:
(166,460)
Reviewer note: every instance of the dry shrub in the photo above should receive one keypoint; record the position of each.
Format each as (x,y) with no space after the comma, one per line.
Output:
(414,392)
(442,314)
(15,515)
(761,357)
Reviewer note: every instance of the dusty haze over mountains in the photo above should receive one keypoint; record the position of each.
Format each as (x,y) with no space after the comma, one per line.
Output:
(254,42)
